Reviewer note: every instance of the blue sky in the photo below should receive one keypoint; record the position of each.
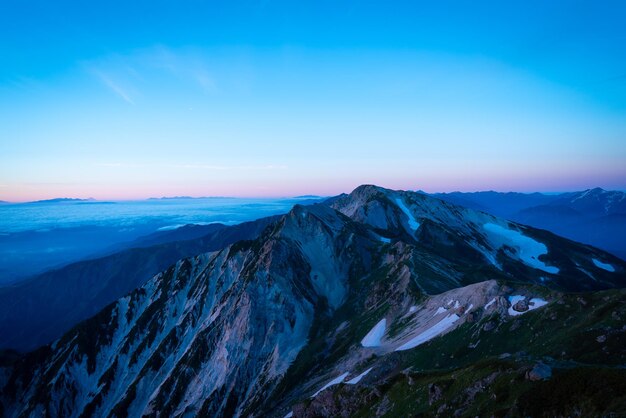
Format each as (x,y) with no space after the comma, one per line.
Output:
(118,100)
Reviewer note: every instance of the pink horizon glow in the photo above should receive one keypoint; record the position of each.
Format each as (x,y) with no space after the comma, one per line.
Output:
(429,185)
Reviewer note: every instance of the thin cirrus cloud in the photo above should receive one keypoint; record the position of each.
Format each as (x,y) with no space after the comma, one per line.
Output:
(186,65)
(127,75)
(230,167)
(232,120)
(208,167)
(113,85)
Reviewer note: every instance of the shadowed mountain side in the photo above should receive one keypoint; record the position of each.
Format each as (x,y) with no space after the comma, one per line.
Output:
(500,204)
(595,216)
(183,233)
(41,309)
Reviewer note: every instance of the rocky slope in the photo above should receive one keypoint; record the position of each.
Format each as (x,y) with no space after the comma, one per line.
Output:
(564,358)
(330,311)
(38,311)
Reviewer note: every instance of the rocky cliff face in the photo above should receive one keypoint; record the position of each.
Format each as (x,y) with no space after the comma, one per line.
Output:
(42,309)
(328,297)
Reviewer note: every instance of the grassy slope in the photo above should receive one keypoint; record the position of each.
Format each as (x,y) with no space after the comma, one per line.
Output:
(581,336)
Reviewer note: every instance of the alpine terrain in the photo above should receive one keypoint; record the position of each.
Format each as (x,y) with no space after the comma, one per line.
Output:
(593,216)
(376,303)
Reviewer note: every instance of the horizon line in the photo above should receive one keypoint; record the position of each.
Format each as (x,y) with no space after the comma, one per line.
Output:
(274,197)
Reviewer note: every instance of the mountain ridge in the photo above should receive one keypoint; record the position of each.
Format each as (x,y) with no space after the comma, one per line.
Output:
(593,216)
(261,324)
(29,316)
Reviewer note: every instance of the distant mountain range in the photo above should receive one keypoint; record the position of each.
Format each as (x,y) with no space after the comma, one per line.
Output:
(189,197)
(376,303)
(70,200)
(594,216)
(63,200)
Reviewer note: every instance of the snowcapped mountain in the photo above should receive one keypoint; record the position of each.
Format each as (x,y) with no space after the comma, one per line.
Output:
(503,204)
(338,309)
(594,202)
(595,216)
(591,202)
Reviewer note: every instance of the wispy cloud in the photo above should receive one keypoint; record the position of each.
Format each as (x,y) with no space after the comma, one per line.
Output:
(114,164)
(208,167)
(230,167)
(204,79)
(121,73)
(114,86)
(184,65)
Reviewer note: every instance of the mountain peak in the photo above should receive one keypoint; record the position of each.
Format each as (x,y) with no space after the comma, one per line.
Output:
(368,190)
(594,191)
(63,200)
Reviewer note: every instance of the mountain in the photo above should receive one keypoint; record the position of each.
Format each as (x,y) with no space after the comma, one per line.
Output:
(189,197)
(25,253)
(595,216)
(183,233)
(594,202)
(505,205)
(37,311)
(62,200)
(375,303)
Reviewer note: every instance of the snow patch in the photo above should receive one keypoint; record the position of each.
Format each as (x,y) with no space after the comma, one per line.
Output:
(491,302)
(513,300)
(372,339)
(413,224)
(603,266)
(335,381)
(586,272)
(529,250)
(357,379)
(385,240)
(430,333)
(412,309)
(170,227)
(289,414)
(534,303)
(440,310)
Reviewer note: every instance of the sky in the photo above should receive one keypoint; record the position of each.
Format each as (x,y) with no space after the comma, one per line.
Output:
(128,100)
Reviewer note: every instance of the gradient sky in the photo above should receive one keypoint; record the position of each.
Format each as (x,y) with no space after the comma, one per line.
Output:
(122,100)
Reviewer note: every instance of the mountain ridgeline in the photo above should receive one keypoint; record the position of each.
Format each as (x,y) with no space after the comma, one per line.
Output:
(595,216)
(376,303)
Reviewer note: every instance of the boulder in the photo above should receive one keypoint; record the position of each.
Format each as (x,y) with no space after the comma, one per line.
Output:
(541,371)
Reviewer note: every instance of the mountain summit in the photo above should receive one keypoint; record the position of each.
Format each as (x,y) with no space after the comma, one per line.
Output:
(357,305)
